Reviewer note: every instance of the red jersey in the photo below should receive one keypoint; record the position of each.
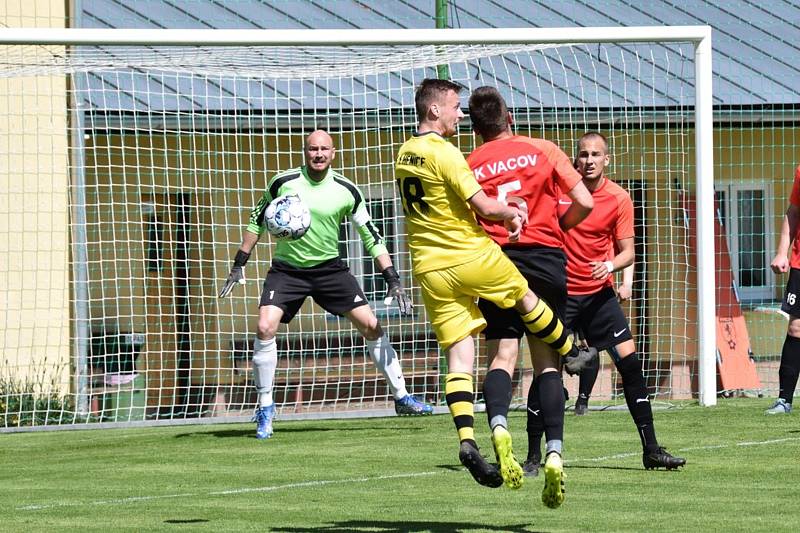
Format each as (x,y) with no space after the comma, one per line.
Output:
(594,237)
(794,199)
(530,173)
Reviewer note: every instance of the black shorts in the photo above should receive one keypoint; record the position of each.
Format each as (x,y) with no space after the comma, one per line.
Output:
(545,269)
(599,318)
(791,297)
(331,285)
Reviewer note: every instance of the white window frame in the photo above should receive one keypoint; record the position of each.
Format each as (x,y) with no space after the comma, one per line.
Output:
(731,189)
(357,255)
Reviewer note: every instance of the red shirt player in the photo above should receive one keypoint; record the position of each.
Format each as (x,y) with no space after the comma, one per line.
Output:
(591,246)
(592,306)
(790,355)
(529,173)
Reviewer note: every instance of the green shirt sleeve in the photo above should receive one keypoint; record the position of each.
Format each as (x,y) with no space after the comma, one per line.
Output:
(368,231)
(257,224)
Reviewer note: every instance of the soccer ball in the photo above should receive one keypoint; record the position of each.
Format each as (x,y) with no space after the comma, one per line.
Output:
(287,217)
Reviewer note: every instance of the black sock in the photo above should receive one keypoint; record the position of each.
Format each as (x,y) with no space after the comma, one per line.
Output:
(635,388)
(790,368)
(535,425)
(587,379)
(551,401)
(497,395)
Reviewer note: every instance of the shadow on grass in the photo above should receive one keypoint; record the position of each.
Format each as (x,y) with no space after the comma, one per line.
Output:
(406,527)
(458,468)
(452,468)
(250,432)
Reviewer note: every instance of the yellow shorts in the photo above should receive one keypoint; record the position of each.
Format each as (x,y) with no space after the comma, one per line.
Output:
(450,294)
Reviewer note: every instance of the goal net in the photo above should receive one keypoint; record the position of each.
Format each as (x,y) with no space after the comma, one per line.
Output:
(130,171)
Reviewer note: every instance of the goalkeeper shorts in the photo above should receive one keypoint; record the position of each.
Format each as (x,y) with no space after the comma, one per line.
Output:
(331,285)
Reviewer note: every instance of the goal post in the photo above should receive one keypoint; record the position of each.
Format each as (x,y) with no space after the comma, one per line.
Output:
(167,138)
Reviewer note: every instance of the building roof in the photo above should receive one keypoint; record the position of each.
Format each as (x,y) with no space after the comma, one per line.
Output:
(755,46)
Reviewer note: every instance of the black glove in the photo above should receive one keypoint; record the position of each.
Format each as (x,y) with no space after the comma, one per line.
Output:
(581,359)
(237,273)
(395,291)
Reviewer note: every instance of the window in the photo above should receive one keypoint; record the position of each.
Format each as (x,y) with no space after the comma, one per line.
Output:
(386,213)
(745,212)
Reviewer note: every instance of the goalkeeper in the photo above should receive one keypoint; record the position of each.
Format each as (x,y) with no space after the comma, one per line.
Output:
(311,266)
(528,173)
(455,261)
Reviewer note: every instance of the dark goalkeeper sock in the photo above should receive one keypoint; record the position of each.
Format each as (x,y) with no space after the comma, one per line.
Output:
(497,395)
(789,369)
(545,325)
(637,398)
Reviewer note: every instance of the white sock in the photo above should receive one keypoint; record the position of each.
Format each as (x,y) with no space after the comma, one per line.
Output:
(498,420)
(554,446)
(385,359)
(265,359)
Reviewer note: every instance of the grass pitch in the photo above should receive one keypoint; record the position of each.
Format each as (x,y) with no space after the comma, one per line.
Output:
(402,474)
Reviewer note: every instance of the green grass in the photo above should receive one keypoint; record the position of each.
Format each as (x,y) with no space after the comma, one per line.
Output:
(402,474)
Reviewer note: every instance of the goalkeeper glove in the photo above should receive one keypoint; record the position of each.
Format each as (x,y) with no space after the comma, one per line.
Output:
(237,273)
(395,291)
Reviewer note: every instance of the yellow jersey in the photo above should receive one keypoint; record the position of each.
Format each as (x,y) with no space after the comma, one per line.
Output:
(435,183)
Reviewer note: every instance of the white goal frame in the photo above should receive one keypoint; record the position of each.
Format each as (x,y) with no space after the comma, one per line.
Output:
(699,36)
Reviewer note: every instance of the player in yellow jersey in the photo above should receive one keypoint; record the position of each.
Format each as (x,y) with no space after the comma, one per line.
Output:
(455,262)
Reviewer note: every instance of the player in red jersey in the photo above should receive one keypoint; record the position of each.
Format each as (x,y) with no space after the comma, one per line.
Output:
(526,172)
(588,376)
(592,305)
(790,354)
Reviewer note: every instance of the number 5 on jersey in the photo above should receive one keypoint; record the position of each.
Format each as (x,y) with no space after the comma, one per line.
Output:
(504,197)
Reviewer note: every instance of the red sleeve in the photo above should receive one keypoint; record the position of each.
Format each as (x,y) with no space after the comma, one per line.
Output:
(566,175)
(624,226)
(794,199)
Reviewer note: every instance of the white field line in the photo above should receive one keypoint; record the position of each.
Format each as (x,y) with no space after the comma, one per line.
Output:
(695,448)
(305,484)
(134,499)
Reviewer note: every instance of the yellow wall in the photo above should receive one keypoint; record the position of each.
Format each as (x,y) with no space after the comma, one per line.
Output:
(224,174)
(34,245)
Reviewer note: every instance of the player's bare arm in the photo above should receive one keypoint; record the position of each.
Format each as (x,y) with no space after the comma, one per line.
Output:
(625,290)
(780,263)
(491,209)
(625,257)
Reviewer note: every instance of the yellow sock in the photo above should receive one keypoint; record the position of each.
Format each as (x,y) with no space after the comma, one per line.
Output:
(460,400)
(545,325)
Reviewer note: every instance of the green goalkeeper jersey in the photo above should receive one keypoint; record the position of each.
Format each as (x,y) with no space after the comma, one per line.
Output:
(330,201)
